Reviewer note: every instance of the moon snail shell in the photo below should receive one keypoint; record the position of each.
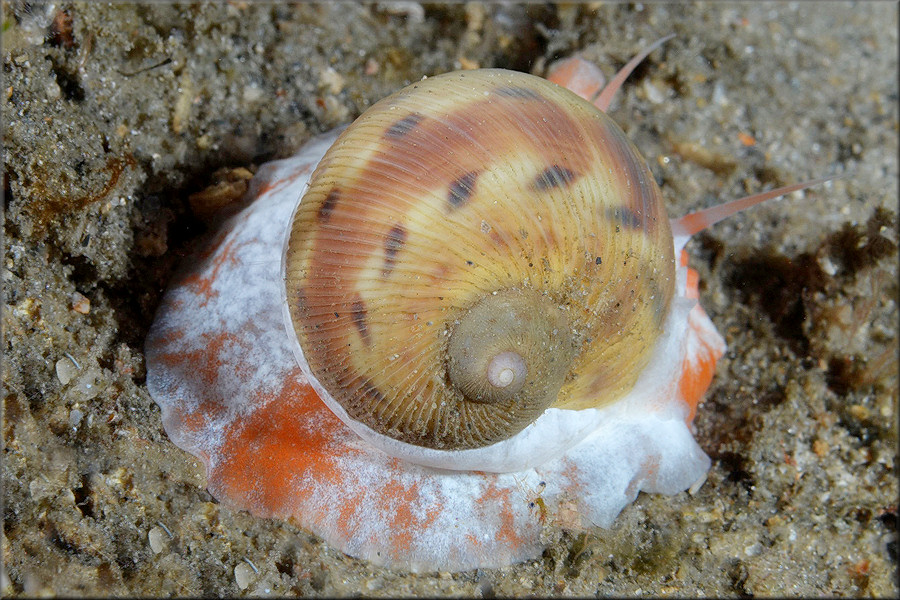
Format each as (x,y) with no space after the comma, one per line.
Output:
(473,250)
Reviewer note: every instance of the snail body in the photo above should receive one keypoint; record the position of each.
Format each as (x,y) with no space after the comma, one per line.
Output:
(480,277)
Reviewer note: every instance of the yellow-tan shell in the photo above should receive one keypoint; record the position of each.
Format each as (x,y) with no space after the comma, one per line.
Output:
(457,199)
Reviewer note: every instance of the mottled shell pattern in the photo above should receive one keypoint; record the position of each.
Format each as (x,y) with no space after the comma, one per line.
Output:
(474,249)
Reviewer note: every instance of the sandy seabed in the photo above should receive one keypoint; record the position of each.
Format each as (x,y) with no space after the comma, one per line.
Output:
(115,114)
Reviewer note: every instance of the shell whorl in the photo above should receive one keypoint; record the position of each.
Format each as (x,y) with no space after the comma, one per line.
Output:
(476,228)
(512,351)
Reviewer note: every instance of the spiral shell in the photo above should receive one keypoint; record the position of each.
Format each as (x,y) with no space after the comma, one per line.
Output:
(474,249)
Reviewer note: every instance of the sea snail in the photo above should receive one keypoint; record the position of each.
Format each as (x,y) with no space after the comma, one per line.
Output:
(480,277)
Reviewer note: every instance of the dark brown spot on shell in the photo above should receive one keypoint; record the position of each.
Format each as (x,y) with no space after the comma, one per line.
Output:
(514,91)
(461,189)
(358,314)
(637,189)
(625,217)
(404,126)
(328,204)
(554,176)
(394,241)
